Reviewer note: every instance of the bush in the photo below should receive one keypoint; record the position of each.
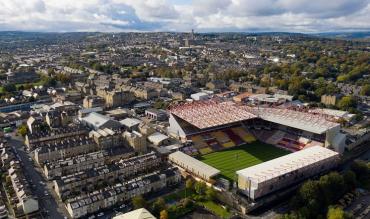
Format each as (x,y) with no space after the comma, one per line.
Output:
(189,184)
(210,194)
(336,213)
(158,206)
(164,214)
(361,169)
(350,179)
(200,188)
(22,130)
(139,202)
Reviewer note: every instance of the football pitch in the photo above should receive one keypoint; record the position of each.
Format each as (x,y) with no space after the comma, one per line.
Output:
(237,158)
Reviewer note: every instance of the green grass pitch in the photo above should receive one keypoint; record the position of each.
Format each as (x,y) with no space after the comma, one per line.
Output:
(237,158)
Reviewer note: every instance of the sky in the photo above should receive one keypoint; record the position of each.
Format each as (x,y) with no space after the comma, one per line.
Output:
(306,16)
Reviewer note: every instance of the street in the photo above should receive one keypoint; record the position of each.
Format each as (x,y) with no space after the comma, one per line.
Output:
(48,206)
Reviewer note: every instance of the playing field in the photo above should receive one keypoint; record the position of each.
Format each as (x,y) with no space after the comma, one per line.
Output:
(237,158)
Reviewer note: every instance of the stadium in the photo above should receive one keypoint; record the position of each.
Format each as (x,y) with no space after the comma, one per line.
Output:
(233,138)
(214,125)
(263,149)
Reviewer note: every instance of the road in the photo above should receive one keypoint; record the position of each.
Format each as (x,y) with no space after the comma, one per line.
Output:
(48,206)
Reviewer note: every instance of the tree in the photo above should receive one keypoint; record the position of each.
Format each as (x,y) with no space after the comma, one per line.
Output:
(332,187)
(163,214)
(210,194)
(335,213)
(347,102)
(186,203)
(189,184)
(312,200)
(200,187)
(22,130)
(350,179)
(158,206)
(365,90)
(361,170)
(310,190)
(139,202)
(51,71)
(10,88)
(65,79)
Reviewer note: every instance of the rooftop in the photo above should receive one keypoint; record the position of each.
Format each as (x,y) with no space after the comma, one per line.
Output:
(213,113)
(286,164)
(315,123)
(130,122)
(96,119)
(140,213)
(192,163)
(207,114)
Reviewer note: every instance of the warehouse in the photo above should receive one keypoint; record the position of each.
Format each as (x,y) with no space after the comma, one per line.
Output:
(265,178)
(193,166)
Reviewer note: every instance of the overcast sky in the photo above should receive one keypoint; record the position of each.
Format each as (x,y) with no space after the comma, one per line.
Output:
(184,15)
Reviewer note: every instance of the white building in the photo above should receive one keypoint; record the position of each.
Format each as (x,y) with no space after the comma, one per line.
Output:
(158,138)
(200,96)
(265,178)
(193,166)
(140,213)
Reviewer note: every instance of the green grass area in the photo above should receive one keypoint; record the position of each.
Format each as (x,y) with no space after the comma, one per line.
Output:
(176,212)
(237,158)
(216,209)
(176,196)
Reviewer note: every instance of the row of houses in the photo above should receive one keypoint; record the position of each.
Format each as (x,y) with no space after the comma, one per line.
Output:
(110,196)
(83,162)
(19,193)
(105,174)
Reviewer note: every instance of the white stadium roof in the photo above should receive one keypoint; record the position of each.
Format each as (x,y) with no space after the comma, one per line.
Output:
(193,164)
(207,114)
(211,113)
(315,123)
(286,164)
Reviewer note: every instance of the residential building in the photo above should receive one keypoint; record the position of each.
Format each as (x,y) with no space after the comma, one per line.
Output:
(98,121)
(136,140)
(93,101)
(90,179)
(154,114)
(112,195)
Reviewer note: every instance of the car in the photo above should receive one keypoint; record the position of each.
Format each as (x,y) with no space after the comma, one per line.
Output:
(101,214)
(7,136)
(122,206)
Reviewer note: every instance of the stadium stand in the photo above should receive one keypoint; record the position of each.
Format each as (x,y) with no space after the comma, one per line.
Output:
(243,124)
(243,134)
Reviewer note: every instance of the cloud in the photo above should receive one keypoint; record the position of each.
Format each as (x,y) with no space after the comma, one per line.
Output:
(183,15)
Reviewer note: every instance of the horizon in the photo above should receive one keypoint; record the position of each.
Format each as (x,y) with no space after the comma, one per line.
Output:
(204,16)
(186,32)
